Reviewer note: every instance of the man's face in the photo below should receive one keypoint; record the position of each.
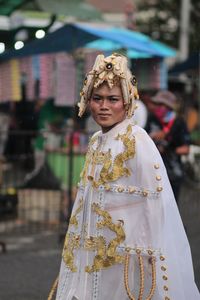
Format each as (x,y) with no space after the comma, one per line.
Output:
(107,106)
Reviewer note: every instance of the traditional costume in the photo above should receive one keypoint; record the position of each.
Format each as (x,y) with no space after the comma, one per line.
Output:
(125,238)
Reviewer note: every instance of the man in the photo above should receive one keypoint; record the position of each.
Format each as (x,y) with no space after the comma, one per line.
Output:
(125,238)
(170,135)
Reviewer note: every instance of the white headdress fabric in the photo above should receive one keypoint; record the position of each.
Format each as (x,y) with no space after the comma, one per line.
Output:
(111,69)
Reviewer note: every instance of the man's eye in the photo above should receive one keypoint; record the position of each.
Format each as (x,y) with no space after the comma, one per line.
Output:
(96,98)
(113,99)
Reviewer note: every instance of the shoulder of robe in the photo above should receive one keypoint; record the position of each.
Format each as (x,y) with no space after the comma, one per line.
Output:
(94,137)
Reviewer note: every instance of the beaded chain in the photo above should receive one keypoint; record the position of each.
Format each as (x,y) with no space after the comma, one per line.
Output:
(153,286)
(53,289)
(126,264)
(141,267)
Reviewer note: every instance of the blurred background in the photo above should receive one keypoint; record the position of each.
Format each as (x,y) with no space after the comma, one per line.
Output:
(46,48)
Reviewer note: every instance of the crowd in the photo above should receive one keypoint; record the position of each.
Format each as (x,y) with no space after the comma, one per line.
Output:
(44,129)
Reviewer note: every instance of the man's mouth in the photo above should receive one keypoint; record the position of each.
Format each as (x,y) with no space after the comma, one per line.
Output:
(104,115)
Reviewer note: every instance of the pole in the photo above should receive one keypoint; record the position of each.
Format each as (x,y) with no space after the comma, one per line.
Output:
(184,29)
(70,180)
(198,84)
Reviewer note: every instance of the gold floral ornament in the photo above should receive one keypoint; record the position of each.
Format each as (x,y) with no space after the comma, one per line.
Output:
(106,255)
(72,241)
(113,70)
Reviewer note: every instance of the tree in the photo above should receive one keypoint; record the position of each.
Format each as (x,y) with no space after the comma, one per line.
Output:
(161,21)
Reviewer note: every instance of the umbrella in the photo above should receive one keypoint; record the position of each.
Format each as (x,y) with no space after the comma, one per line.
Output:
(72,36)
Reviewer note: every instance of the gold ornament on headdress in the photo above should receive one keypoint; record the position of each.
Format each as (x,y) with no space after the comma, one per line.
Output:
(113,70)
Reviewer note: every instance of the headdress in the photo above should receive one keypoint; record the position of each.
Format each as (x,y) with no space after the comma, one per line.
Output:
(111,69)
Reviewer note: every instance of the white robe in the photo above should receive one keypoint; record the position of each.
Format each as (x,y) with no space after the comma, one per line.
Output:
(125,209)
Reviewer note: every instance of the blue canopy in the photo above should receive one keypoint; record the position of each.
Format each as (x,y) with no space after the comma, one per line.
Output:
(73,36)
(109,47)
(137,43)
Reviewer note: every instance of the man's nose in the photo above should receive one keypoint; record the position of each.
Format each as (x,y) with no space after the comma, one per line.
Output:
(104,104)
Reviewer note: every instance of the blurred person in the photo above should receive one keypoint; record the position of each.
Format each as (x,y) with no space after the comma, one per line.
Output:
(193,122)
(4,127)
(167,127)
(192,117)
(125,238)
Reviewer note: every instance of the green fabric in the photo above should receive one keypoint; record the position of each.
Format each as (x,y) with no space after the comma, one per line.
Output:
(7,7)
(59,164)
(49,113)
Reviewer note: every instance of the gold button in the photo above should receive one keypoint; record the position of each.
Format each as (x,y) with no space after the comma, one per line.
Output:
(162,258)
(144,193)
(131,190)
(165,288)
(156,166)
(158,177)
(138,251)
(150,252)
(159,189)
(127,249)
(163,268)
(165,277)
(120,189)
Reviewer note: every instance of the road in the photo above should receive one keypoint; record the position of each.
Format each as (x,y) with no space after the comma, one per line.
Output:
(29,267)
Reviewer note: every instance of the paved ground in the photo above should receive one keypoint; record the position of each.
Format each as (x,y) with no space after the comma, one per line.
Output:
(190,213)
(32,262)
(29,267)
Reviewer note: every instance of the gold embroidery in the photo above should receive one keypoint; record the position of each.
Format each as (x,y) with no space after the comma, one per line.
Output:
(83,174)
(106,255)
(72,241)
(118,170)
(89,155)
(99,158)
(110,171)
(73,219)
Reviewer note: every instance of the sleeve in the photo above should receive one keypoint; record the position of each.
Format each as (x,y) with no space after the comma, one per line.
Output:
(163,214)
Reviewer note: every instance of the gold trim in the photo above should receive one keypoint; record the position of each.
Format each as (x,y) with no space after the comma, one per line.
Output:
(53,289)
(153,285)
(126,265)
(141,267)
